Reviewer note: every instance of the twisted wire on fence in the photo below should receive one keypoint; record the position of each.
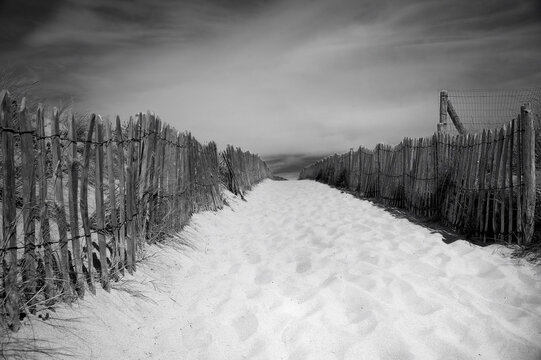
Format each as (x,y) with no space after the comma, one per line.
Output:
(148,180)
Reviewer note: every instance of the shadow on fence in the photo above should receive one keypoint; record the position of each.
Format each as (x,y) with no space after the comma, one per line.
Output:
(480,184)
(125,184)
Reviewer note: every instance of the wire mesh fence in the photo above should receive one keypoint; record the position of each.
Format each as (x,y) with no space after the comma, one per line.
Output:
(480,109)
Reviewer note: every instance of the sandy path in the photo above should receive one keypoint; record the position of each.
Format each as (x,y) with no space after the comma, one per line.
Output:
(302,271)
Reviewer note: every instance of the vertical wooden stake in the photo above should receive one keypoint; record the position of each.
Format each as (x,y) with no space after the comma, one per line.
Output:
(112,198)
(84,203)
(528,166)
(29,203)
(130,199)
(73,208)
(511,223)
(442,126)
(9,210)
(100,214)
(45,233)
(60,209)
(121,191)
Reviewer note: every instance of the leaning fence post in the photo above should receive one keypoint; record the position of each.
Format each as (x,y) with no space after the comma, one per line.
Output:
(528,166)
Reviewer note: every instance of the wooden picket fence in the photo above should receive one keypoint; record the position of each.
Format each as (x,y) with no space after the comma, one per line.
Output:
(243,170)
(126,185)
(482,184)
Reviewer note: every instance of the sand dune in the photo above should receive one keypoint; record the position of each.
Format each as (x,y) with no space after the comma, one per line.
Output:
(302,271)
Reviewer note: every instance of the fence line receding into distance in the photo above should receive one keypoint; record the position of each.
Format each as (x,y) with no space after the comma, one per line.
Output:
(79,201)
(482,184)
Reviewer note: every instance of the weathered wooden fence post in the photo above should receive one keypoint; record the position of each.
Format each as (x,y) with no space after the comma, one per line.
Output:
(131,205)
(100,214)
(528,166)
(60,209)
(9,215)
(29,202)
(122,194)
(443,126)
(73,209)
(43,208)
(109,141)
(84,203)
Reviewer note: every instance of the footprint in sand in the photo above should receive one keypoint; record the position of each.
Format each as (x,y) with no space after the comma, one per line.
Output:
(257,348)
(253,258)
(195,337)
(245,325)
(298,354)
(264,276)
(234,269)
(303,264)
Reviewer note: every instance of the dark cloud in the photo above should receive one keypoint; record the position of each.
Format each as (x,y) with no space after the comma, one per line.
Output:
(277,77)
(22,17)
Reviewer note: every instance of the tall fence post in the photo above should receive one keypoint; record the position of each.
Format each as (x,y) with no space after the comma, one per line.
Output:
(60,208)
(83,202)
(100,211)
(9,233)
(121,191)
(442,126)
(528,166)
(350,168)
(44,227)
(29,203)
(73,209)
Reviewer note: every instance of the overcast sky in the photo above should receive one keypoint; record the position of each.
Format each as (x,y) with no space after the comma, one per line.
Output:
(289,80)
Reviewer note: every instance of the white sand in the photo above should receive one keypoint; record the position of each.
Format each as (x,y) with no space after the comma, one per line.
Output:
(302,271)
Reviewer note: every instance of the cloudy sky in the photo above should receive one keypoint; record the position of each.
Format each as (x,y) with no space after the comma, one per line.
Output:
(289,79)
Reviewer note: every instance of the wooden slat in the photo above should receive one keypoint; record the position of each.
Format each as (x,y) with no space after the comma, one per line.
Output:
(115,242)
(60,209)
(100,210)
(84,203)
(481,189)
(178,211)
(519,183)
(472,185)
(496,182)
(49,288)
(511,223)
(29,203)
(131,204)
(488,181)
(453,195)
(73,185)
(122,194)
(504,231)
(9,212)
(467,183)
(528,165)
